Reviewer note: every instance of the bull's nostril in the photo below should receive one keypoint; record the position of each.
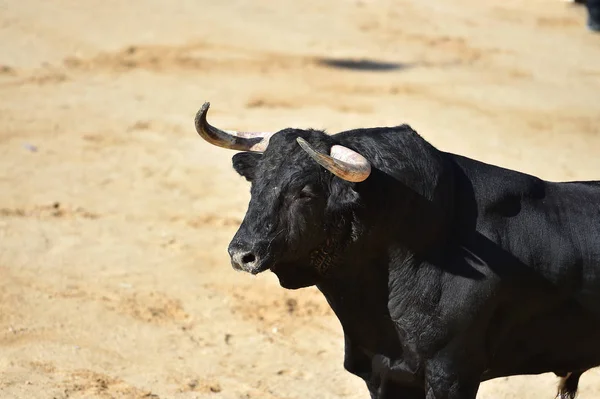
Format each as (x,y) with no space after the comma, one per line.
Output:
(248,258)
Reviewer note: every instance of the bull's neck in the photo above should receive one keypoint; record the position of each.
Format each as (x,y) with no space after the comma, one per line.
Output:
(364,316)
(358,292)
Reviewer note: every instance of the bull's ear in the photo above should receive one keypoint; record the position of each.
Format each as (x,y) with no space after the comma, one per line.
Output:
(245,164)
(342,196)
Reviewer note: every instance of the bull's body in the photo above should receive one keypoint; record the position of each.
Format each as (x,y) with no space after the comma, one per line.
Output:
(443,271)
(515,289)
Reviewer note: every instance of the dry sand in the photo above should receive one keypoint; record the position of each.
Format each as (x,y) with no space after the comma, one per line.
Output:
(115,217)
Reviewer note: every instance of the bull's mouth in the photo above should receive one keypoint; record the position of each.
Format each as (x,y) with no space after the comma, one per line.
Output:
(261,268)
(262,264)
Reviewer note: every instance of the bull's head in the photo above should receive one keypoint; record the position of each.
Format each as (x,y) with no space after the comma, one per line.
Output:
(299,220)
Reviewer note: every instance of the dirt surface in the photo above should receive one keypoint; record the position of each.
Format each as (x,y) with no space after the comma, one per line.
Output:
(115,217)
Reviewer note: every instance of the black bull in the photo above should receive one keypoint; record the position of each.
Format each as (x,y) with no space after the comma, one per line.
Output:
(443,271)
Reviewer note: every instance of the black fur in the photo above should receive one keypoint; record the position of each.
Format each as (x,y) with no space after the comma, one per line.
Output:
(443,271)
(245,164)
(567,388)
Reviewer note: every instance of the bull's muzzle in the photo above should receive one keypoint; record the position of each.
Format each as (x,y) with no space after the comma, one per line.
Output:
(247,257)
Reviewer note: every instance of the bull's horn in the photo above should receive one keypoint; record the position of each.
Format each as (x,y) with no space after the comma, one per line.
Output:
(242,141)
(342,162)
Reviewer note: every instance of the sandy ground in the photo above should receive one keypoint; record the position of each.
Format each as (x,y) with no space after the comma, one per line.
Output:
(115,217)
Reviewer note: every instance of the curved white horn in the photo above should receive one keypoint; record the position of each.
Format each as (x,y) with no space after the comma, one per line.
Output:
(242,141)
(342,162)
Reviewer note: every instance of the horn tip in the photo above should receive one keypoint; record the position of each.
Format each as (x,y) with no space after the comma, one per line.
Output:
(304,145)
(204,109)
(201,114)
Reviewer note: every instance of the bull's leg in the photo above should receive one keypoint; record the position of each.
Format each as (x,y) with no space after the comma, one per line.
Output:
(391,390)
(452,379)
(448,389)
(386,388)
